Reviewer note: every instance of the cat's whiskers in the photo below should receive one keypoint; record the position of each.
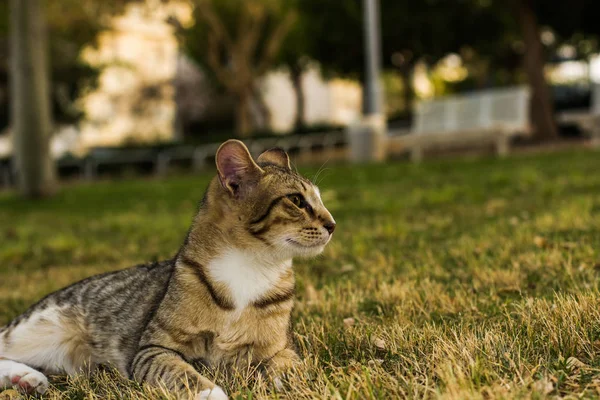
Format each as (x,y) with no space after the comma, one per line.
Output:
(321,169)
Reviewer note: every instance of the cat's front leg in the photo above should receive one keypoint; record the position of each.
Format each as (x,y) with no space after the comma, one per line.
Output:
(160,366)
(216,393)
(279,364)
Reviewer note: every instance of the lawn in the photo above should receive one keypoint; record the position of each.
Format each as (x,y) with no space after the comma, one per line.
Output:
(455,279)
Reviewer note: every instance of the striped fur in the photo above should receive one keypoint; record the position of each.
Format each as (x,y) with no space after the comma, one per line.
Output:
(225,299)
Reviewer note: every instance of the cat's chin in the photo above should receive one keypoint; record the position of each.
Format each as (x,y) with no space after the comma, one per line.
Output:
(305,251)
(310,252)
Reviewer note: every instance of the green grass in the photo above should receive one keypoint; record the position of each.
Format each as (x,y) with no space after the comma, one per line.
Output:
(462,278)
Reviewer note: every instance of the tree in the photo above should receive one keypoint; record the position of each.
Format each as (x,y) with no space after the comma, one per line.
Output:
(534,61)
(335,31)
(518,22)
(71,25)
(30,98)
(74,23)
(294,56)
(238,42)
(418,30)
(328,32)
(411,31)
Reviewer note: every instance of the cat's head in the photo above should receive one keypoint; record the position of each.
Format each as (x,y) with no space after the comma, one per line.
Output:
(266,206)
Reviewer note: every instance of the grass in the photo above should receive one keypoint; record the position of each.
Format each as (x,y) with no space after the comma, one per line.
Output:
(451,279)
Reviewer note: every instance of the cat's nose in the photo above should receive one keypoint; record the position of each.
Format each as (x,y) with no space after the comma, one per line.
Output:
(330,226)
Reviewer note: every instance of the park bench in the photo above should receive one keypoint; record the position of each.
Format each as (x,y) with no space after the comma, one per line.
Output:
(112,156)
(159,160)
(301,144)
(295,144)
(196,155)
(587,120)
(481,118)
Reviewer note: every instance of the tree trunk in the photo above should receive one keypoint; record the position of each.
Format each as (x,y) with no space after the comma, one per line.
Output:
(264,119)
(541,102)
(30,98)
(482,75)
(178,121)
(407,90)
(243,126)
(178,125)
(296,76)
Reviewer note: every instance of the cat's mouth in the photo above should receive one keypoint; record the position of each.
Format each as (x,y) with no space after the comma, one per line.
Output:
(304,246)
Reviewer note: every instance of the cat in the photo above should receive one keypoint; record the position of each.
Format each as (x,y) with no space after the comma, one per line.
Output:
(224,299)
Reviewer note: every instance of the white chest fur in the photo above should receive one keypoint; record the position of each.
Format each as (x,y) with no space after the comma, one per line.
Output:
(247,277)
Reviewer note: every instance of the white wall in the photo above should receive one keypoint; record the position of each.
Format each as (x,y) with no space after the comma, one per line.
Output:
(332,102)
(595,69)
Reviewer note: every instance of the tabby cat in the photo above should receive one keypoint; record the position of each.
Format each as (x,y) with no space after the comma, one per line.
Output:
(224,299)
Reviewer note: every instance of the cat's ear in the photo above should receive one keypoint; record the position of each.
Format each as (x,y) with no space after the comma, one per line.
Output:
(235,166)
(276,156)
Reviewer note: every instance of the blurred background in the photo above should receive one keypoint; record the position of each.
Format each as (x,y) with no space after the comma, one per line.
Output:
(472,275)
(90,87)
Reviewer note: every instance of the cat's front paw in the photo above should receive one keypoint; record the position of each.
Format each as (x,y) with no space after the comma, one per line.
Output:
(22,377)
(278,383)
(215,393)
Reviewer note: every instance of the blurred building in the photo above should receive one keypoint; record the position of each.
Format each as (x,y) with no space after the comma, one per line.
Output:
(336,102)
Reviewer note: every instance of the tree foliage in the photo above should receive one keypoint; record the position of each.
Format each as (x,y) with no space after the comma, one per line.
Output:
(501,36)
(238,41)
(515,42)
(72,24)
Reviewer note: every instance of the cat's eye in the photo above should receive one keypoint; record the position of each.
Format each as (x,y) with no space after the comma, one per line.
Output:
(298,200)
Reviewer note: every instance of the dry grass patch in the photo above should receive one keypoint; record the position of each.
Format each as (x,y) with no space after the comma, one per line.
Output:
(457,279)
